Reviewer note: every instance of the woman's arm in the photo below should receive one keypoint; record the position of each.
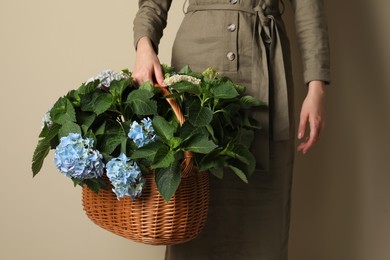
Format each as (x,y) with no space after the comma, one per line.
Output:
(312,34)
(149,23)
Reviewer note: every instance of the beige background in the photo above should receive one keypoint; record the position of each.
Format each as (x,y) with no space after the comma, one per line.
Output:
(341,192)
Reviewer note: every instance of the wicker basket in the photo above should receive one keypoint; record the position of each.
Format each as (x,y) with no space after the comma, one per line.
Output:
(150,219)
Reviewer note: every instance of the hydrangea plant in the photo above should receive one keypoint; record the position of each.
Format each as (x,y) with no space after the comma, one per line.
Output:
(110,127)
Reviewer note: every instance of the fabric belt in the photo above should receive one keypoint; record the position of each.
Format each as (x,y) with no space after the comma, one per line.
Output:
(268,66)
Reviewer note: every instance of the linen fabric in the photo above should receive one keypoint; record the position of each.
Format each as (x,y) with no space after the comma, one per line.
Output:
(246,41)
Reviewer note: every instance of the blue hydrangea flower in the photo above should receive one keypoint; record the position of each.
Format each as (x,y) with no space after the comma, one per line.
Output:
(125,176)
(75,158)
(142,133)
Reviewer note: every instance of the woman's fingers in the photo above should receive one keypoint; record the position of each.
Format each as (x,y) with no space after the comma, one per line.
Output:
(158,74)
(147,65)
(311,139)
(311,115)
(302,126)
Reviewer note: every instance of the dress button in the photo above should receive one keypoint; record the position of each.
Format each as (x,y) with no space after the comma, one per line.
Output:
(233,2)
(231,27)
(231,56)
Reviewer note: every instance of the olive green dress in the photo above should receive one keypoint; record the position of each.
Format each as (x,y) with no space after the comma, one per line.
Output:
(246,41)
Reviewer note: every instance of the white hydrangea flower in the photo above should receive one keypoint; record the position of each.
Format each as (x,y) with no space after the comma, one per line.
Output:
(107,76)
(178,78)
(46,119)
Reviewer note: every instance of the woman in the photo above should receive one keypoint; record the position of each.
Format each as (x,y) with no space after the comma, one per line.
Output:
(246,41)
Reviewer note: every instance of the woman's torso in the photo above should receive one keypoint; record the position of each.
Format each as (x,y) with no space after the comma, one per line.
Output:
(221,38)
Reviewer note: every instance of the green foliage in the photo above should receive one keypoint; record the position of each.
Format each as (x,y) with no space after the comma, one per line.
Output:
(43,148)
(141,103)
(163,129)
(185,86)
(163,158)
(148,151)
(69,127)
(199,115)
(168,180)
(226,90)
(63,111)
(218,127)
(200,144)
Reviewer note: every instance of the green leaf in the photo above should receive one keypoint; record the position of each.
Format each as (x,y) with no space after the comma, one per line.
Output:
(218,129)
(187,131)
(77,181)
(43,148)
(44,131)
(69,127)
(111,141)
(117,87)
(101,130)
(185,70)
(94,184)
(174,142)
(109,144)
(53,132)
(239,173)
(87,102)
(250,101)
(167,69)
(164,158)
(210,130)
(245,136)
(211,160)
(74,97)
(226,90)
(124,145)
(163,129)
(141,103)
(168,180)
(230,112)
(147,151)
(63,111)
(200,144)
(251,122)
(102,103)
(240,89)
(198,115)
(242,158)
(85,119)
(217,172)
(149,87)
(88,88)
(40,153)
(185,86)
(231,108)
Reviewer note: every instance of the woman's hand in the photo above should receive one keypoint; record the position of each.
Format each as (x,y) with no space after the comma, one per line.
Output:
(147,66)
(312,114)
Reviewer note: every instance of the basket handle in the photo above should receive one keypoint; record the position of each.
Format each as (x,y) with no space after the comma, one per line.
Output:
(175,106)
(188,162)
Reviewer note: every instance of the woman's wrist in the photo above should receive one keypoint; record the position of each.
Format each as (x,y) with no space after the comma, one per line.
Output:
(144,43)
(316,87)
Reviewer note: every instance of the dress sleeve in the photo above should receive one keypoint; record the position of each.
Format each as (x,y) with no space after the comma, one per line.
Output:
(312,34)
(151,19)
